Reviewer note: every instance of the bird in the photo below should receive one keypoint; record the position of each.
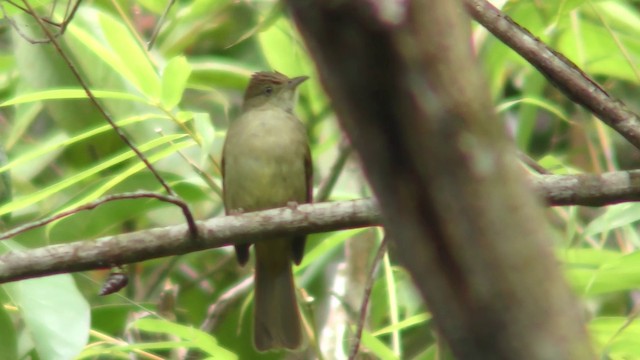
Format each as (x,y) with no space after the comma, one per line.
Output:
(266,163)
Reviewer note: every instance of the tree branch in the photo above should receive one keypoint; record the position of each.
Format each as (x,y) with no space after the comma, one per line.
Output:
(582,189)
(588,189)
(143,245)
(559,70)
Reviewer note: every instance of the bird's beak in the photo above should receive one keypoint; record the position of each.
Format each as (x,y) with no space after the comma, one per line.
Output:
(293,83)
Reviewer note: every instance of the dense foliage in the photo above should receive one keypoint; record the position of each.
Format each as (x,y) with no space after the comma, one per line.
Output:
(175,101)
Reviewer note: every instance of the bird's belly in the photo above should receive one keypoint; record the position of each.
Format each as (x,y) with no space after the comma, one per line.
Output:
(266,174)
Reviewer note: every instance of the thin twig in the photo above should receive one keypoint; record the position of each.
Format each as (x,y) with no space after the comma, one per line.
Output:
(203,175)
(326,187)
(94,204)
(527,160)
(159,24)
(366,296)
(68,16)
(214,314)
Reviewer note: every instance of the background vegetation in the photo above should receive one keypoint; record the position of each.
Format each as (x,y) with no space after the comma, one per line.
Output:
(175,101)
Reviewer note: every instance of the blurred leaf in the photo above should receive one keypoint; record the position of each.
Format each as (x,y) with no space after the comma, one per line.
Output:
(594,274)
(377,347)
(58,94)
(27,200)
(62,142)
(25,115)
(408,322)
(9,339)
(174,81)
(326,247)
(121,52)
(207,134)
(138,166)
(55,313)
(614,341)
(557,166)
(537,102)
(614,217)
(194,337)
(220,72)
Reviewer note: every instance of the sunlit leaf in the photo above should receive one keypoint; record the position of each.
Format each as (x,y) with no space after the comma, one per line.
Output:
(174,81)
(55,313)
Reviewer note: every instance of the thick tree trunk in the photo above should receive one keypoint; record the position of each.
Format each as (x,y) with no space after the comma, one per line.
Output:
(407,90)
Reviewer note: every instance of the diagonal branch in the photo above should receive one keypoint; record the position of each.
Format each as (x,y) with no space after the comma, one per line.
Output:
(559,70)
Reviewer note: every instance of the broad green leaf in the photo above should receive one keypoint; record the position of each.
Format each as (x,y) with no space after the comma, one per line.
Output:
(27,200)
(174,81)
(60,141)
(616,337)
(139,166)
(55,313)
(131,56)
(9,338)
(587,257)
(607,57)
(616,274)
(212,71)
(121,52)
(282,48)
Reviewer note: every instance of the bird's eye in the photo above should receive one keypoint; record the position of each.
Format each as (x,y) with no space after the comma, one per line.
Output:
(268,90)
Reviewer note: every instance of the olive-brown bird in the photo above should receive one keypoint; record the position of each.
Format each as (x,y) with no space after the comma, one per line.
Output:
(266,164)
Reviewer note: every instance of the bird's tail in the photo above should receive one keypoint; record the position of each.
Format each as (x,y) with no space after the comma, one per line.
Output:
(277,322)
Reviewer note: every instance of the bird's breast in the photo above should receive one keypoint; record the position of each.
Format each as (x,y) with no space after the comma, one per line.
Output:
(265,161)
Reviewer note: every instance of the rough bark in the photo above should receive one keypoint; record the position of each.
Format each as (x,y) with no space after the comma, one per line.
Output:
(409,96)
(175,240)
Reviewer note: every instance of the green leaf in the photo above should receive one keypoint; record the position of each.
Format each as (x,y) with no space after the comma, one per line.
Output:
(616,337)
(61,94)
(212,71)
(194,337)
(408,322)
(56,315)
(615,217)
(327,246)
(121,52)
(174,81)
(33,198)
(138,166)
(377,347)
(537,102)
(59,141)
(206,133)
(8,340)
(592,276)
